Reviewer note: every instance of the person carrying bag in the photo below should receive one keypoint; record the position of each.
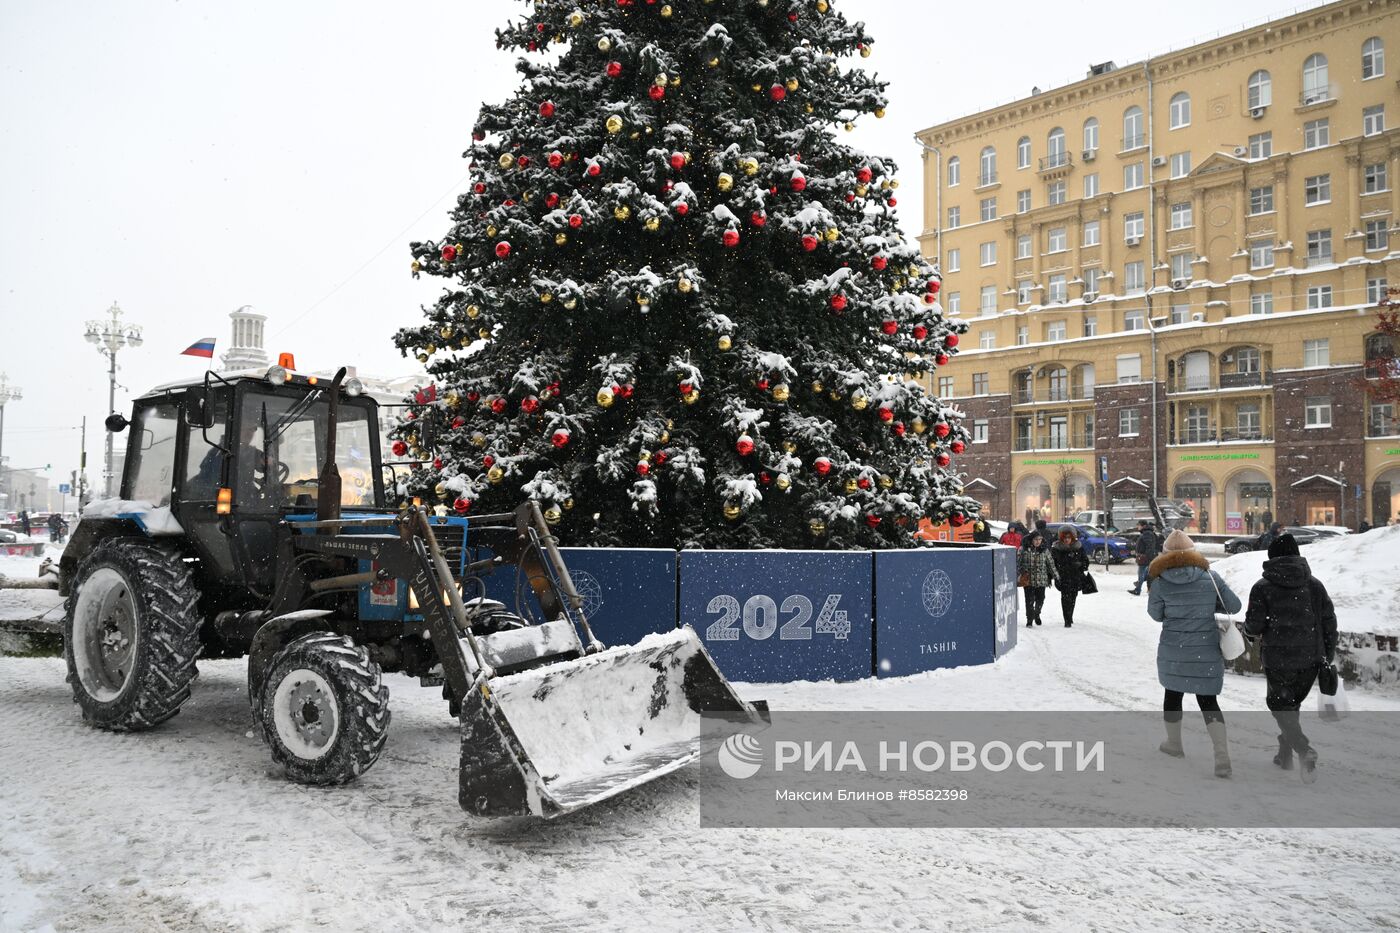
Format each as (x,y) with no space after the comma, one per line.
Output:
(1035,571)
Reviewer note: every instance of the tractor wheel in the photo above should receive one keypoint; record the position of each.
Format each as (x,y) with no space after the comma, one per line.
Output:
(131,634)
(325,712)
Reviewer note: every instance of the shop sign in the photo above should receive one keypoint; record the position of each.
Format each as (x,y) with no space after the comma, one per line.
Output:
(1198,457)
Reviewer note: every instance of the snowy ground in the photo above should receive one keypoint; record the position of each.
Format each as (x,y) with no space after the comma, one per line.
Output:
(190,827)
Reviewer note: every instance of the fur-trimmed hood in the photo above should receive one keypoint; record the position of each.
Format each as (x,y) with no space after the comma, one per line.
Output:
(1171,560)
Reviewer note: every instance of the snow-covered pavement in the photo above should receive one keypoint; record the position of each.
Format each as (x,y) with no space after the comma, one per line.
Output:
(191,827)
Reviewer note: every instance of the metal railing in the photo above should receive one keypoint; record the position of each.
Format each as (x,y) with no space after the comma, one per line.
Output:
(1262,379)
(1078,393)
(1382,427)
(1320,94)
(1241,380)
(1054,442)
(1220,436)
(1055,160)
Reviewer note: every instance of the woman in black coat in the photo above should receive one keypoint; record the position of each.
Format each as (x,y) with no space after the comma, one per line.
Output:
(1071,563)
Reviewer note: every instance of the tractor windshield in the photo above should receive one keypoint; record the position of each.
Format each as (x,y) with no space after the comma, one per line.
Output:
(282,444)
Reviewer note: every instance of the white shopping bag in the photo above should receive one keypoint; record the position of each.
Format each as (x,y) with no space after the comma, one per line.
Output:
(1333,708)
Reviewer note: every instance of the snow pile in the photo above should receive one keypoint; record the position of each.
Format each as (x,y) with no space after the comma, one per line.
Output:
(1359,571)
(157,521)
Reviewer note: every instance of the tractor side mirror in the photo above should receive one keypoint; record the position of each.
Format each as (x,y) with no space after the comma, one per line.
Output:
(115,423)
(197,412)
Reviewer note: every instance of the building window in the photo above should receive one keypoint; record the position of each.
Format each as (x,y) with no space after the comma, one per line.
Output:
(954,172)
(1261,90)
(1317,353)
(1382,422)
(1373,120)
(1248,423)
(1319,296)
(1091,134)
(1023,152)
(1372,58)
(1319,411)
(1023,335)
(1091,233)
(1375,179)
(954,260)
(1129,419)
(1134,278)
(1091,325)
(987,253)
(1180,110)
(1056,155)
(988,302)
(954,303)
(945,386)
(1377,235)
(1057,240)
(1180,314)
(1133,226)
(1129,368)
(1261,255)
(1023,292)
(1132,176)
(987,167)
(987,209)
(1261,200)
(1376,291)
(1315,84)
(1181,267)
(1180,164)
(1056,193)
(1091,281)
(988,339)
(1247,361)
(980,384)
(1181,216)
(1023,246)
(979,431)
(1023,201)
(1261,303)
(1319,247)
(1091,185)
(1132,129)
(1261,145)
(1316,134)
(1058,293)
(1317,189)
(954,218)
(1134,320)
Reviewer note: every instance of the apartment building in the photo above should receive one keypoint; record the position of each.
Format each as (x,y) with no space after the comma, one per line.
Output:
(1170,271)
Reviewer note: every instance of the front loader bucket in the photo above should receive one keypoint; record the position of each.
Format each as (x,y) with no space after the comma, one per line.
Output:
(559,738)
(31,617)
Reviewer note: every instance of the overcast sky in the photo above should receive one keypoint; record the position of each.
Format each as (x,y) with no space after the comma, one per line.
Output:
(187,158)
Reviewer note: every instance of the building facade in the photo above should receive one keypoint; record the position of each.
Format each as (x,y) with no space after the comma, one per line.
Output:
(1170,272)
(246,349)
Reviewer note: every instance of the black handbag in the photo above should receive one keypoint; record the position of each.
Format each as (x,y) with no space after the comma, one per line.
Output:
(1326,670)
(1088,586)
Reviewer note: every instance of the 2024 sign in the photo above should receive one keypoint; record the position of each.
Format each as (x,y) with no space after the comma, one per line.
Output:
(761,615)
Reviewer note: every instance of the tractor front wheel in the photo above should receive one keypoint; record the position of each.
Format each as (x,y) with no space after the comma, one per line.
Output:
(325,712)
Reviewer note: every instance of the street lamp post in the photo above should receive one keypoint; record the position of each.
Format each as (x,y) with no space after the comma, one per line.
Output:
(8,393)
(110,335)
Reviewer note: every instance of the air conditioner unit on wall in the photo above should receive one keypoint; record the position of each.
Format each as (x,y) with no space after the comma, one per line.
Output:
(1091,297)
(1197,317)
(1133,240)
(1258,112)
(1090,154)
(1240,150)
(1179,284)
(1159,161)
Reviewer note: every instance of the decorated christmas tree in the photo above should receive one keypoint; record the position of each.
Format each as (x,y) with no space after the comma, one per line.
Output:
(681,313)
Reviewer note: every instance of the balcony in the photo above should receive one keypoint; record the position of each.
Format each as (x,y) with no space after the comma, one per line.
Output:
(1382,426)
(1222,436)
(1079,393)
(1056,163)
(1312,262)
(1054,442)
(1321,94)
(1260,380)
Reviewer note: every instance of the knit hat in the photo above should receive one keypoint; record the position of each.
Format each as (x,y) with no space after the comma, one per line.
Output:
(1284,546)
(1178,540)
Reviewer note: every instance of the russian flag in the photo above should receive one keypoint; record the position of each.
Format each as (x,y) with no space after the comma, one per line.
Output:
(203,347)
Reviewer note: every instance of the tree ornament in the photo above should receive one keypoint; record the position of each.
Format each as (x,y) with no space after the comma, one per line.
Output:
(872,520)
(656,92)
(838,302)
(530,405)
(614,69)
(920,332)
(400,449)
(643,468)
(498,404)
(559,240)
(899,429)
(789,447)
(950,341)
(941,429)
(462,506)
(879,263)
(890,328)
(478,439)
(859,402)
(506,160)
(822,465)
(495,475)
(933,286)
(660,458)
(724,343)
(781,392)
(850,486)
(666,11)
(817,527)
(595,170)
(886,414)
(744,445)
(943,459)
(449,253)
(822,6)
(809,242)
(547,109)
(749,165)
(682,208)
(725,181)
(758,218)
(692,397)
(551,200)
(552,515)
(546,297)
(555,160)
(879,113)
(957,447)
(732,511)
(683,284)
(777,92)
(942,359)
(502,249)
(731,238)
(865,51)
(792,84)
(560,438)
(491,230)
(798,183)
(679,160)
(783,482)
(622,212)
(605,397)
(817,386)
(613,124)
(832,234)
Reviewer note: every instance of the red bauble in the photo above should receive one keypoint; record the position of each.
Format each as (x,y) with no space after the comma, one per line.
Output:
(523,161)
(459,422)
(462,506)
(941,429)
(614,69)
(498,404)
(942,359)
(893,202)
(666,187)
(437,463)
(957,447)
(943,459)
(479,188)
(899,428)
(863,175)
(930,298)
(556,159)
(682,208)
(473,397)
(449,253)
(838,302)
(886,414)
(809,242)
(560,439)
(660,458)
(799,183)
(777,92)
(850,197)
(530,405)
(957,520)
(551,200)
(864,482)
(822,465)
(400,448)
(595,170)
(685,388)
(508,202)
(890,327)
(934,286)
(624,390)
(575,221)
(643,468)
(758,218)
(502,249)
(547,108)
(553,389)
(879,263)
(920,332)
(488,461)
(792,17)
(731,238)
(656,92)
(744,445)
(951,340)
(872,520)
(678,160)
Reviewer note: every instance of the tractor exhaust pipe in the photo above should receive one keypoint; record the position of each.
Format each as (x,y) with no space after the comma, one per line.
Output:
(328,483)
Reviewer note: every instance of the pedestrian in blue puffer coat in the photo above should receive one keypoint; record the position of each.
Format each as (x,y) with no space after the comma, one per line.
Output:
(1182,595)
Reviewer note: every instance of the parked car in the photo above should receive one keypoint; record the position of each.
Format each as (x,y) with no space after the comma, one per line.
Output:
(1251,542)
(1100,545)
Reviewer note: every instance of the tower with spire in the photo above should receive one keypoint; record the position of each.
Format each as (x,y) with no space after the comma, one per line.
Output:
(246,348)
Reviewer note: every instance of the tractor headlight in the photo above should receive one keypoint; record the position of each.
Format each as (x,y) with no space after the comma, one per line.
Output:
(277,375)
(354,387)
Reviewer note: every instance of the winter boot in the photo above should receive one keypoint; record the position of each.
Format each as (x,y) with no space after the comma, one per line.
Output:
(1284,758)
(1172,746)
(1216,728)
(1307,765)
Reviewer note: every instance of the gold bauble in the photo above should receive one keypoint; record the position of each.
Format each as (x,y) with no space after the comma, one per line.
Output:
(865,51)
(725,343)
(850,486)
(666,11)
(676,81)
(833,234)
(495,475)
(568,503)
(473,311)
(790,447)
(483,333)
(714,63)
(465,342)
(817,527)
(749,165)
(834,395)
(919,426)
(506,160)
(553,515)
(886,481)
(862,190)
(859,402)
(454,399)
(478,439)
(684,285)
(576,18)
(783,482)
(665,437)
(643,300)
(440,490)
(431,349)
(614,124)
(726,181)
(850,127)
(606,397)
(571,303)
(732,511)
(446,332)
(792,84)
(879,113)
(808,108)
(416,266)
(758,87)
(560,239)
(546,298)
(692,397)
(661,80)
(781,392)
(822,6)
(622,212)
(653,224)
(491,230)
(605,44)
(894,183)
(817,386)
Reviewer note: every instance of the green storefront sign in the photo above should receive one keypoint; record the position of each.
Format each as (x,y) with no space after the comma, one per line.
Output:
(1061,461)
(1198,457)
(1392,451)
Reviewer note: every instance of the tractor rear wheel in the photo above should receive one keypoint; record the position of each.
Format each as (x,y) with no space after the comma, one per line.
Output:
(131,634)
(325,712)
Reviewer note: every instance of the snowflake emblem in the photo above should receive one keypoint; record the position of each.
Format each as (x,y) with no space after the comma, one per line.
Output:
(588,587)
(937,593)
